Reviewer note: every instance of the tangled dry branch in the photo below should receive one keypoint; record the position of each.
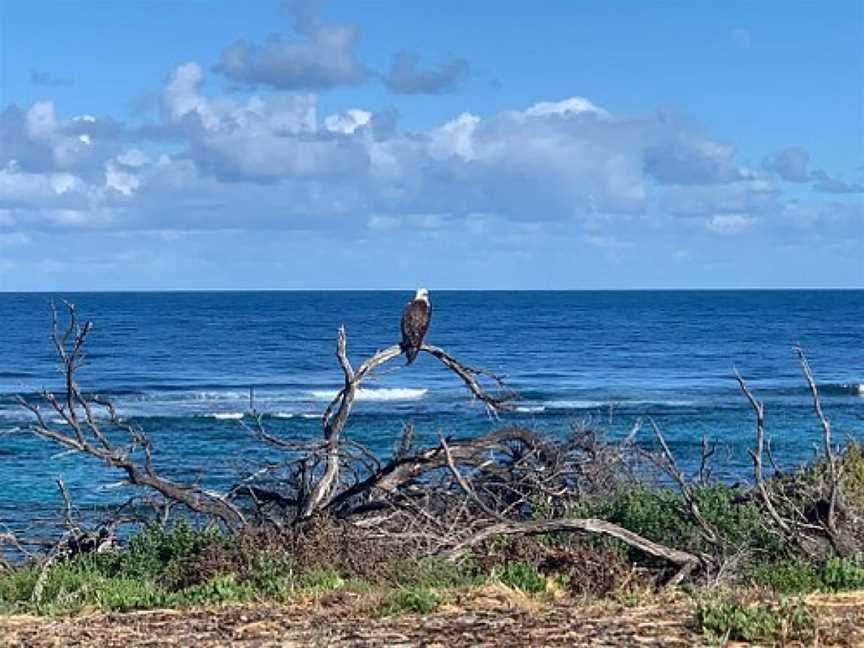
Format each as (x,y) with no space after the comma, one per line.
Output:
(445,499)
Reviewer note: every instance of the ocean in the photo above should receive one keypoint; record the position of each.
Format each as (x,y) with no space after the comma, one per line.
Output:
(181,366)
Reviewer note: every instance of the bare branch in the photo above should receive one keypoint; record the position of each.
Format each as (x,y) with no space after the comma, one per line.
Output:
(589,525)
(836,472)
(69,344)
(686,492)
(758,472)
(338,410)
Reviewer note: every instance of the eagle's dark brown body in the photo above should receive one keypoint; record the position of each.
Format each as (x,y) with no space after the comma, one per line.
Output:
(415,322)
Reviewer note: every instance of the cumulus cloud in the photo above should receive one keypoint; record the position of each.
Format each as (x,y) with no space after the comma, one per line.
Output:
(791,164)
(37,141)
(276,160)
(408,76)
(262,138)
(828,184)
(319,56)
(707,200)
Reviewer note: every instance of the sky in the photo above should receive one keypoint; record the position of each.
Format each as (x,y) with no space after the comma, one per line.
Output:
(216,145)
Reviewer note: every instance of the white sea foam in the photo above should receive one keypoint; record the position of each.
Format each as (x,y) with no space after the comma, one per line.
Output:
(112,485)
(207,395)
(310,416)
(382,394)
(576,404)
(227,416)
(283,415)
(665,403)
(531,409)
(594,404)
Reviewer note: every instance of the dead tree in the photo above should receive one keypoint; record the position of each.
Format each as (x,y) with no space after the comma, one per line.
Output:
(337,412)
(804,514)
(91,423)
(440,500)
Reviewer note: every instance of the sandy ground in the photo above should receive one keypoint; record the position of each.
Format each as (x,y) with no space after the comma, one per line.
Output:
(487,618)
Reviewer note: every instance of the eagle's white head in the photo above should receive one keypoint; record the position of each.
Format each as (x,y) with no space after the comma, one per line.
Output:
(422,294)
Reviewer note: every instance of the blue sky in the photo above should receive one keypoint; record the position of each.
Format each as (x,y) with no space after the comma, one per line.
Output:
(305,145)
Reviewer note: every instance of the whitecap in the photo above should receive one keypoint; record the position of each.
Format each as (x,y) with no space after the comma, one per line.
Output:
(382,394)
(283,415)
(664,403)
(310,416)
(227,416)
(576,404)
(195,396)
(531,409)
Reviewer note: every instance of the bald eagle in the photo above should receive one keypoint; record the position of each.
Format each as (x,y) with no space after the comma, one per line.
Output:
(415,323)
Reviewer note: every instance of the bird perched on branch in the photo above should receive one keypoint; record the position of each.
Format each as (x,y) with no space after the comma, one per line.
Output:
(415,322)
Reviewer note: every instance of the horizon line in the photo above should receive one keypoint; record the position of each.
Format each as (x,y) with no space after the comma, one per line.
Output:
(400,290)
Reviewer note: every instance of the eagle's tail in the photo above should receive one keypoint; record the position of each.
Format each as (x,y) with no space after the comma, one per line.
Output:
(410,354)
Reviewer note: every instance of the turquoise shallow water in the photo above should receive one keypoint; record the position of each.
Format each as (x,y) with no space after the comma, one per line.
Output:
(181,364)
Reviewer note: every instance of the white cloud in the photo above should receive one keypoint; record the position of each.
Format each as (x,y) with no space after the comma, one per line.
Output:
(407,76)
(320,56)
(270,160)
(347,122)
(454,138)
(573,105)
(729,223)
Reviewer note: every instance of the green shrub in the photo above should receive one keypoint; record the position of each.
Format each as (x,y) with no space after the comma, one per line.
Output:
(659,514)
(733,620)
(653,513)
(322,579)
(16,588)
(853,475)
(840,574)
(801,577)
(434,572)
(787,576)
(72,586)
(273,576)
(154,548)
(219,589)
(420,600)
(740,523)
(521,575)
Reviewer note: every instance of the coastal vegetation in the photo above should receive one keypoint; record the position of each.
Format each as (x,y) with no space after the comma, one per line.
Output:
(578,517)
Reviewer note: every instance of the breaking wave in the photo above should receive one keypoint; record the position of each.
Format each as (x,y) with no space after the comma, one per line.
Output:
(226,416)
(382,394)
(853,388)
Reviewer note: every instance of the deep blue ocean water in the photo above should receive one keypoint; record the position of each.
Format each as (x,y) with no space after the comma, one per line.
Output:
(181,365)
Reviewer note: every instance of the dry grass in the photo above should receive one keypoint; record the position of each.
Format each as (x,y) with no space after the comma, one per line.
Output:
(493,615)
(490,615)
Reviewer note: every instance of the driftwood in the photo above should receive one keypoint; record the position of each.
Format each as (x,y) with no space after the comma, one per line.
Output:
(685,560)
